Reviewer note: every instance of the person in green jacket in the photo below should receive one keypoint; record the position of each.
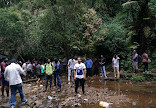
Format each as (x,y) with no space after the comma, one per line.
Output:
(49,69)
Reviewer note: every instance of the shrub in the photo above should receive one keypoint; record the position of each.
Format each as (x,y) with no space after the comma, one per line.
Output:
(138,78)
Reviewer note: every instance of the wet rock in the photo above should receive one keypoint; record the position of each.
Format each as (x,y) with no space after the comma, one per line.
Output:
(77,104)
(78,95)
(41,85)
(134,103)
(86,100)
(50,98)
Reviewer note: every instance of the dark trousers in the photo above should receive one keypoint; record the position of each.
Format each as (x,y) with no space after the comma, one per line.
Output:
(48,78)
(89,71)
(96,70)
(57,76)
(5,85)
(145,66)
(29,74)
(81,82)
(64,69)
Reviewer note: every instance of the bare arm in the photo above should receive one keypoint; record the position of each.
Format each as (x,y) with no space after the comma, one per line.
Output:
(84,73)
(5,74)
(74,74)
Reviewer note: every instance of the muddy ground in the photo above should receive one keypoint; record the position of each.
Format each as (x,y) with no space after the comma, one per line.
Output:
(54,99)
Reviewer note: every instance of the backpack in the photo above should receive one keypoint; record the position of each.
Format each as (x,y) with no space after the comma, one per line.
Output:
(46,65)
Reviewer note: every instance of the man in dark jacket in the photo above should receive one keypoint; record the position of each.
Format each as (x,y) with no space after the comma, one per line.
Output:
(57,73)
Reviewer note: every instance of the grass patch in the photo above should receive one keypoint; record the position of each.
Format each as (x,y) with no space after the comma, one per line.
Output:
(138,78)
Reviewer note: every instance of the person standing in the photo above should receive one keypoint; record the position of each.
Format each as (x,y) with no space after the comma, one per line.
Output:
(135,61)
(38,72)
(79,75)
(71,64)
(89,64)
(42,69)
(115,64)
(102,66)
(49,69)
(96,66)
(64,63)
(145,61)
(12,75)
(29,70)
(5,84)
(24,66)
(57,73)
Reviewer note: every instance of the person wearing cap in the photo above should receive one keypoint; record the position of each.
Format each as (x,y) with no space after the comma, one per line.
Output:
(12,75)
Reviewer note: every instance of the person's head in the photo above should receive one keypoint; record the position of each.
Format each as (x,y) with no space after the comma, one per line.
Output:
(134,51)
(72,57)
(101,56)
(75,57)
(115,56)
(28,61)
(56,60)
(5,59)
(48,60)
(79,60)
(88,58)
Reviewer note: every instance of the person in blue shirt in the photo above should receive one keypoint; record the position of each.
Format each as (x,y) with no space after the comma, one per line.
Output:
(89,64)
(57,72)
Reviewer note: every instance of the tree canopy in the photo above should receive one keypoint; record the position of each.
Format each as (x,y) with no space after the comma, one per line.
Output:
(48,28)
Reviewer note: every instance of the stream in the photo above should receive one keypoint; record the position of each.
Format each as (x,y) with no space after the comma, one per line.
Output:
(132,95)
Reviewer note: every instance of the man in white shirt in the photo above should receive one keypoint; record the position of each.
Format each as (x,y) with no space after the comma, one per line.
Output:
(12,75)
(115,64)
(29,70)
(71,64)
(79,75)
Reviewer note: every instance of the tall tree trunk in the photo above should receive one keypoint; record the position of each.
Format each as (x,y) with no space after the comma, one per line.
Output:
(141,24)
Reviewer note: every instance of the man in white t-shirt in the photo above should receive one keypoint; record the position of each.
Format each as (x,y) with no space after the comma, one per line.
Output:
(79,75)
(115,64)
(71,64)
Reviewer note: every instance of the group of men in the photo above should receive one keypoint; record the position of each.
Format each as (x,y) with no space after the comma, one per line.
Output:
(78,70)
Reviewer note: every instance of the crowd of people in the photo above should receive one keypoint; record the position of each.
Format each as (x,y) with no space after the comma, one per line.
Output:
(78,70)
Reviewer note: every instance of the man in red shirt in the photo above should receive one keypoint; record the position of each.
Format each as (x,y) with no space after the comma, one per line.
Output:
(4,82)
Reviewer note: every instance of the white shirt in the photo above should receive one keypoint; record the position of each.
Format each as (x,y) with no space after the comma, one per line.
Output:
(12,74)
(80,70)
(115,62)
(24,66)
(29,67)
(71,63)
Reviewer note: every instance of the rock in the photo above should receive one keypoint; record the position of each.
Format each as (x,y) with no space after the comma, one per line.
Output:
(77,104)
(29,85)
(50,98)
(79,95)
(41,85)
(134,103)
(86,100)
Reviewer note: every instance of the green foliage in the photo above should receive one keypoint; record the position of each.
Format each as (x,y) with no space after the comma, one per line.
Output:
(11,31)
(48,28)
(112,39)
(138,78)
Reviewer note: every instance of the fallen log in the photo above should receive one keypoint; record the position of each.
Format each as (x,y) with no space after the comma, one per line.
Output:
(31,80)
